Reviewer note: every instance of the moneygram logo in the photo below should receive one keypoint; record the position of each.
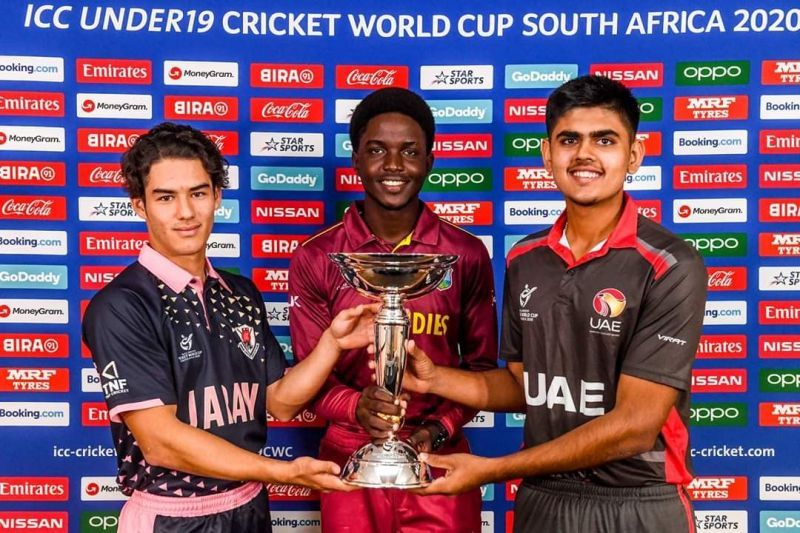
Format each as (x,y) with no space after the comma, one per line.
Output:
(722,347)
(727,278)
(285,144)
(44,345)
(185,107)
(780,72)
(287,178)
(31,139)
(779,312)
(532,213)
(286,76)
(725,313)
(463,145)
(223,245)
(713,210)
(117,71)
(34,311)
(101,488)
(287,212)
(31,104)
(779,346)
(371,76)
(528,179)
(32,68)
(461,111)
(275,246)
(456,77)
(779,414)
(709,176)
(525,110)
(33,207)
(785,278)
(36,173)
(651,109)
(204,73)
(34,380)
(305,419)
(779,380)
(779,141)
(647,178)
(718,414)
(769,176)
(464,213)
(778,210)
(709,142)
(46,521)
(542,76)
(631,74)
(271,279)
(459,179)
(38,414)
(31,489)
(712,73)
(708,488)
(106,209)
(779,244)
(523,144)
(692,108)
(33,276)
(307,110)
(100,175)
(128,106)
(779,107)
(97,140)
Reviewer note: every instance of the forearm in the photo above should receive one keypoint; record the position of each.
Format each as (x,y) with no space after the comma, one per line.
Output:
(490,390)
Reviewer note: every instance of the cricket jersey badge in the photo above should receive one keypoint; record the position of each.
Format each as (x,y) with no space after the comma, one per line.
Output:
(247,338)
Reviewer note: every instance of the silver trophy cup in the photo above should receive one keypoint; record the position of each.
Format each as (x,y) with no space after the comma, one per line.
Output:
(393,279)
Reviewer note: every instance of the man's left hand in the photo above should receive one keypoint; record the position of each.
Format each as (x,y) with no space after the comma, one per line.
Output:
(421,439)
(354,328)
(463,472)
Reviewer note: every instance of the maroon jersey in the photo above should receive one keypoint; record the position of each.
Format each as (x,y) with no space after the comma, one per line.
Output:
(455,324)
(634,306)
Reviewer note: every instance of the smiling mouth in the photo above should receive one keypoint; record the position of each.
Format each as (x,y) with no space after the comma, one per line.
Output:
(585,175)
(393,182)
(191,229)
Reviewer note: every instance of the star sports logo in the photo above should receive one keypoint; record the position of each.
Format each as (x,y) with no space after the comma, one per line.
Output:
(609,303)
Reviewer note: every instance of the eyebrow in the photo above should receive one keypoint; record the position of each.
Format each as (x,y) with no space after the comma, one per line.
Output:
(173,191)
(592,134)
(404,144)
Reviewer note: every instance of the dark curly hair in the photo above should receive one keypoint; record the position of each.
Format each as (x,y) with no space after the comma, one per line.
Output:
(170,141)
(392,100)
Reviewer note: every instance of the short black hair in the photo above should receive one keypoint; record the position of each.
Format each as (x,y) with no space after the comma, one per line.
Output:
(170,141)
(593,91)
(392,100)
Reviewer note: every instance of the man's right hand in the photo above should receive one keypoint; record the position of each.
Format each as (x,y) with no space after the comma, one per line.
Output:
(420,370)
(375,401)
(316,475)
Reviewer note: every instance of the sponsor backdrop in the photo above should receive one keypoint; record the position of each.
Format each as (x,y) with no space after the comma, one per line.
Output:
(274,83)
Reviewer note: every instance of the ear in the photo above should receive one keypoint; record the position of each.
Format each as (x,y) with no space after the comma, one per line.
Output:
(217,197)
(637,156)
(139,207)
(546,159)
(354,159)
(429,162)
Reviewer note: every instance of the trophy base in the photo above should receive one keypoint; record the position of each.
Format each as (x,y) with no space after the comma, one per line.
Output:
(390,465)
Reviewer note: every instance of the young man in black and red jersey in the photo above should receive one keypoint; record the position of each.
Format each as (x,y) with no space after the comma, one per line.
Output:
(392,136)
(187,361)
(602,315)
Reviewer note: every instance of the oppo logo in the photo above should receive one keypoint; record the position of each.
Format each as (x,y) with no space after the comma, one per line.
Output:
(712,72)
(712,244)
(645,108)
(527,144)
(456,178)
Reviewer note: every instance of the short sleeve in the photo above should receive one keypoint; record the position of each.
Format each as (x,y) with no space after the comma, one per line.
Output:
(511,330)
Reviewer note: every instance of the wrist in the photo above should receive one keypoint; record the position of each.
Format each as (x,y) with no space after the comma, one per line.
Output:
(329,344)
(279,471)
(439,434)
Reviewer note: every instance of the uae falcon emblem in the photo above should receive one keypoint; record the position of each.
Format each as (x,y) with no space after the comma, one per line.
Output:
(247,338)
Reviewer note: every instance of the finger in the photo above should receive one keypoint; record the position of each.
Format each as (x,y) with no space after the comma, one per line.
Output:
(371,364)
(436,461)
(385,408)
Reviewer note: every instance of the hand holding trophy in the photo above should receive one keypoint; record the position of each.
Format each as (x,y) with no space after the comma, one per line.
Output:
(393,279)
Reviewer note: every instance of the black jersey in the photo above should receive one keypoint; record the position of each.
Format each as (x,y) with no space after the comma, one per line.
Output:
(635,306)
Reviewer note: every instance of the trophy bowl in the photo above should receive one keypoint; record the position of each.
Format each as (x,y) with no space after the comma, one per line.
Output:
(393,279)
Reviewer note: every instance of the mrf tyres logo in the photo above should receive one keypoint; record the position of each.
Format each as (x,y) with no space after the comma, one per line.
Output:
(779,244)
(782,72)
(779,414)
(709,488)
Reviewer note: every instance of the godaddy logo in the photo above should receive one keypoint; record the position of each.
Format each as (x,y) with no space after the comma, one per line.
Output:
(713,73)
(459,179)
(718,244)
(718,414)
(772,380)
(524,144)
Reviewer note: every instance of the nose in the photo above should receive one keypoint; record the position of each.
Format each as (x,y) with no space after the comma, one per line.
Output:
(185,207)
(585,150)
(393,161)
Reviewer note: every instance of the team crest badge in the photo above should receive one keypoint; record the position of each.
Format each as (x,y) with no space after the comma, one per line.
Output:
(447,282)
(247,338)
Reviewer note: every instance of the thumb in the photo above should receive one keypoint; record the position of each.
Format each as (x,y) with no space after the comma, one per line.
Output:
(436,461)
(326,467)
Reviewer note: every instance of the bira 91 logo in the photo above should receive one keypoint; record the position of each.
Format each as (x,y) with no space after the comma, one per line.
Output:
(287,76)
(94,414)
(287,212)
(34,489)
(525,110)
(778,210)
(727,278)
(463,145)
(779,141)
(773,414)
(651,141)
(34,173)
(709,488)
(305,110)
(114,140)
(631,74)
(709,176)
(227,141)
(271,279)
(692,108)
(528,179)
(31,104)
(42,521)
(94,278)
(348,180)
(306,419)
(49,345)
(371,76)
(185,107)
(100,175)
(779,176)
(779,244)
(780,72)
(779,346)
(291,493)
(779,312)
(33,207)
(722,347)
(276,246)
(34,380)
(111,242)
(719,380)
(120,71)
(464,213)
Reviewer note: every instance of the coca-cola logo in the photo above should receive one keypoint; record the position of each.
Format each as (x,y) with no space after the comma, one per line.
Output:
(110,177)
(33,208)
(296,110)
(721,279)
(217,139)
(88,106)
(289,492)
(175,73)
(381,77)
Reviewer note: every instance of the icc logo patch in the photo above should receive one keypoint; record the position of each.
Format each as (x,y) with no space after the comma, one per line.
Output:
(609,303)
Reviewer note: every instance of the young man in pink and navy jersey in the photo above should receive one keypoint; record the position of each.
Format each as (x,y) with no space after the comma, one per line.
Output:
(602,315)
(187,361)
(392,136)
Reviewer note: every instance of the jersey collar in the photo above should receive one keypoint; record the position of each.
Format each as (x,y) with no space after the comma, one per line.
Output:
(358,233)
(171,274)
(623,235)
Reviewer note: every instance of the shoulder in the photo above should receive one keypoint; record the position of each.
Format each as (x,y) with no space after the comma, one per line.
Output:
(134,290)
(460,241)
(664,250)
(525,246)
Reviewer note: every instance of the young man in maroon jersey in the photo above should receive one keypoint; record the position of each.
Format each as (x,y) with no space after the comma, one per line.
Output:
(602,315)
(392,135)
(187,361)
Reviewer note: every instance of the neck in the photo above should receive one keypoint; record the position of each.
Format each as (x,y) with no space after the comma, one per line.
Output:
(589,225)
(391,225)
